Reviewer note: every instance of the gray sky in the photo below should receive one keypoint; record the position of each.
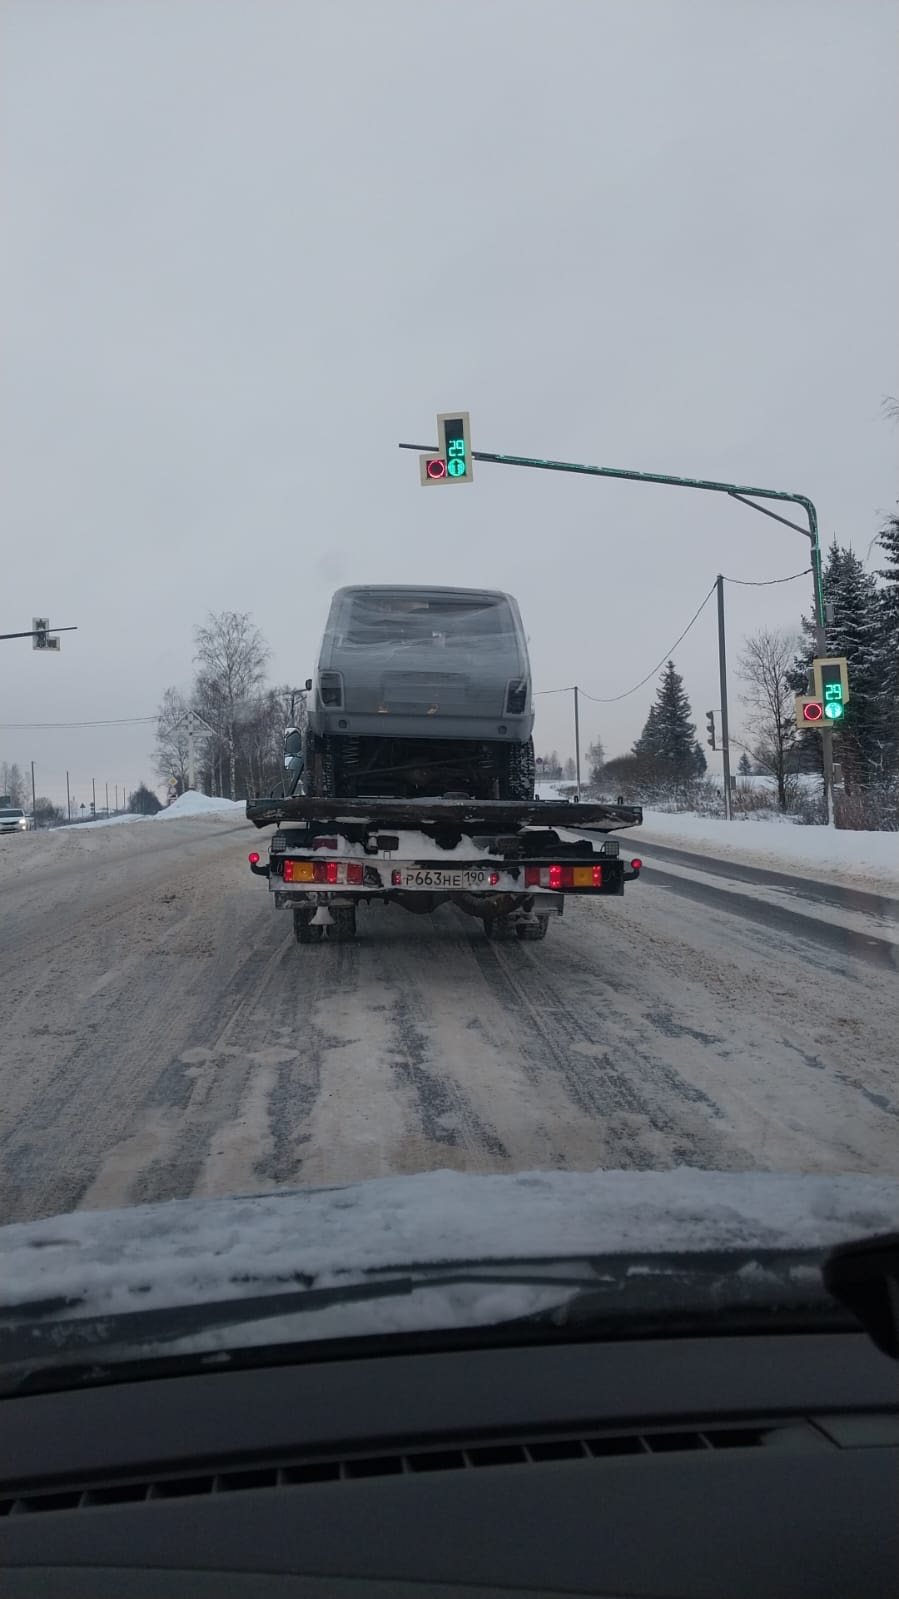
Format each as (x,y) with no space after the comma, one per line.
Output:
(248,245)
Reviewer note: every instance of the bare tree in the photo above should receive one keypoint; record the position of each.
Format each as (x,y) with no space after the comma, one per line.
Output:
(766,665)
(13,783)
(171,754)
(596,760)
(231,655)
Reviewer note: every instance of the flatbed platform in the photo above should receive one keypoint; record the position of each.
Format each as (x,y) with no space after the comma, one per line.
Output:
(589,815)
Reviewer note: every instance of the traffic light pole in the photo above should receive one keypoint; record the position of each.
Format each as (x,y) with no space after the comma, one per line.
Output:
(722,674)
(736,491)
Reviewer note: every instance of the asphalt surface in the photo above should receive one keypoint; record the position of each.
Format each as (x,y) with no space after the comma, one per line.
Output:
(161,1034)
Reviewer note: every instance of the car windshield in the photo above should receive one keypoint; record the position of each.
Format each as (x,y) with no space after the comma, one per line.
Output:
(449,754)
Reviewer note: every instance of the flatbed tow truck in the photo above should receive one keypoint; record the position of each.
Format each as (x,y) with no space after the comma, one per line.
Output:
(510,863)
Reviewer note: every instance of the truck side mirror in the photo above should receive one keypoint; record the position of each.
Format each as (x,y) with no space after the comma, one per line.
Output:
(308,684)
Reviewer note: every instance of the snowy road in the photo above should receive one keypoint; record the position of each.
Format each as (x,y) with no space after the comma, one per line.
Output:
(162,1035)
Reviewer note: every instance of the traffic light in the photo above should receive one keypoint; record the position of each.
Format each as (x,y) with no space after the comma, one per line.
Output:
(452,462)
(832,685)
(42,638)
(710,721)
(809,711)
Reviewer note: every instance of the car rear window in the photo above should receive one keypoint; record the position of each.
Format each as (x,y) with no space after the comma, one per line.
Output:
(377,618)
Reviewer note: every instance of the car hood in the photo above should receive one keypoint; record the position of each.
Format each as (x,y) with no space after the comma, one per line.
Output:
(193,1252)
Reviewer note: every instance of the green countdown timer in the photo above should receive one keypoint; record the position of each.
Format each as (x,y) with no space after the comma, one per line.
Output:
(832,685)
(456,448)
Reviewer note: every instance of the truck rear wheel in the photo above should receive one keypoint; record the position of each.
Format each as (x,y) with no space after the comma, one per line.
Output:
(532,931)
(303,931)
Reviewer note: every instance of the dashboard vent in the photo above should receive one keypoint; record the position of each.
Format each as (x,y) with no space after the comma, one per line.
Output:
(479,1455)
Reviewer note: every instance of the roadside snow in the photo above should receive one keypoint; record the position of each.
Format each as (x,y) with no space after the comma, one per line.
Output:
(106,821)
(193,804)
(869,860)
(188,1251)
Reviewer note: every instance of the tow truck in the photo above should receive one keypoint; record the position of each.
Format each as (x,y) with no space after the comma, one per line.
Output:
(510,863)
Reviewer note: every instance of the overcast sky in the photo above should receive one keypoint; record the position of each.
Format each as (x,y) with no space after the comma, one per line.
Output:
(249,245)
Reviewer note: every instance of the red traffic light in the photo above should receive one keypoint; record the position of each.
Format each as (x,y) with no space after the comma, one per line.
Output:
(436,468)
(813,711)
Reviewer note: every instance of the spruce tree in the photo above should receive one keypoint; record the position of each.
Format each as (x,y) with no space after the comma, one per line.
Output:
(669,733)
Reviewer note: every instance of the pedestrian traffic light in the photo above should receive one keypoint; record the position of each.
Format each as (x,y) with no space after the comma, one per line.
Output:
(809,712)
(452,461)
(710,721)
(831,679)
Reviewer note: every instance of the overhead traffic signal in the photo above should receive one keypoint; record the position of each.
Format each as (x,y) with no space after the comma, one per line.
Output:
(42,638)
(452,462)
(710,721)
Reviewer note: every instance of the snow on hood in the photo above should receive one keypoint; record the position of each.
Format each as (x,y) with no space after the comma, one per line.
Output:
(190,1251)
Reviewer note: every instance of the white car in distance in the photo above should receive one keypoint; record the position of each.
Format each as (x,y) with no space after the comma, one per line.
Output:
(13,819)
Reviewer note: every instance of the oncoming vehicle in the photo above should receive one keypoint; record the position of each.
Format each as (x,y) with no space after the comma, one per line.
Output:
(13,819)
(421,691)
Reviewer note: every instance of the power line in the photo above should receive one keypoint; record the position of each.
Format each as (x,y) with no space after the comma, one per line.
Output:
(768,582)
(612,699)
(116,721)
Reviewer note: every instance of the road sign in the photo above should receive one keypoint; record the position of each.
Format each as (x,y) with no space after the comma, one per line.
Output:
(831,679)
(451,462)
(42,638)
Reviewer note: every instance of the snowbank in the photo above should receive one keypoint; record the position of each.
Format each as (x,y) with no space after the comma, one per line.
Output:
(870,860)
(193,804)
(107,821)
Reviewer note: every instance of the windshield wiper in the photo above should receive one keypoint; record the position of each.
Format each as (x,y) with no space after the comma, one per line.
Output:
(618,1295)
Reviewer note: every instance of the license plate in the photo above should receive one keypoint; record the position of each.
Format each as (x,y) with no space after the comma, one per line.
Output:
(427,877)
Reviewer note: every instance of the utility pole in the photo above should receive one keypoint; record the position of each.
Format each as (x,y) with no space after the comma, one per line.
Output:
(94,796)
(191,760)
(107,799)
(577,743)
(68,797)
(722,673)
(33,799)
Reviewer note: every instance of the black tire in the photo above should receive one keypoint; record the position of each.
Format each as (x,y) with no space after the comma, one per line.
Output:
(499,929)
(303,931)
(532,932)
(344,928)
(520,772)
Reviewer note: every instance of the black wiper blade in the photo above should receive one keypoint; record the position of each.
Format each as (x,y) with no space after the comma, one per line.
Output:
(102,1336)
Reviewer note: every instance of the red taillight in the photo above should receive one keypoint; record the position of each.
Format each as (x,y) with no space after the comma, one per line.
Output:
(253,858)
(325,872)
(396,879)
(636,865)
(532,877)
(288,871)
(354,873)
(556,876)
(493,879)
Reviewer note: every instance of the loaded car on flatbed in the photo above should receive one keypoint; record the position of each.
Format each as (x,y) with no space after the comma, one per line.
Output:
(414,782)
